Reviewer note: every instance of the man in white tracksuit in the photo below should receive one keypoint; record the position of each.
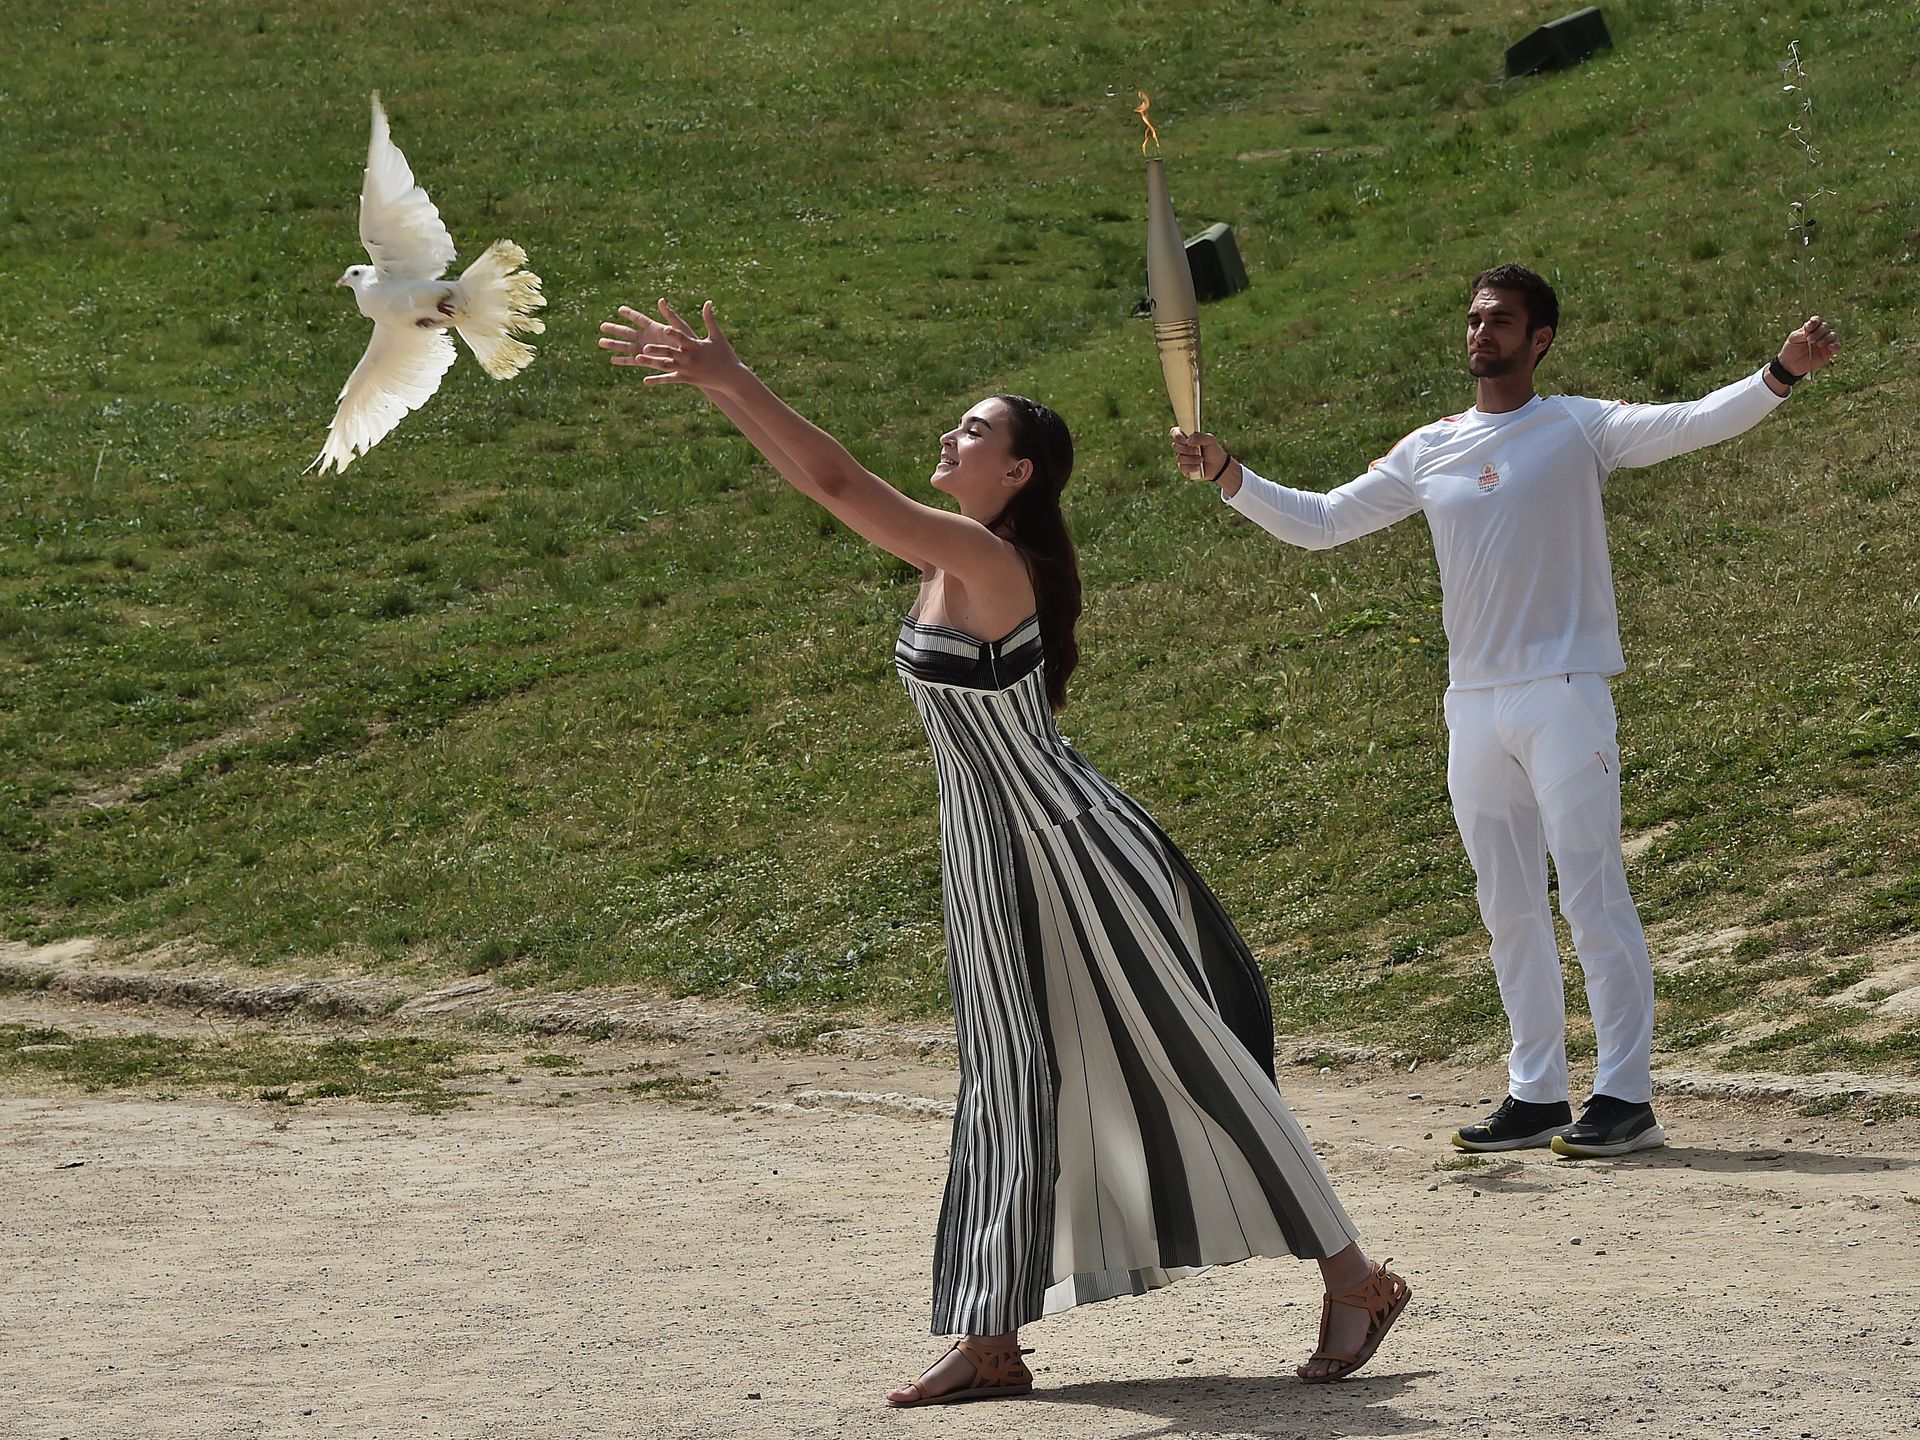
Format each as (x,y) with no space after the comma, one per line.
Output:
(1511,491)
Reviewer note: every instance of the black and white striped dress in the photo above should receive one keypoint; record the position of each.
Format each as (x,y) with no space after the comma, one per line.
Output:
(1118,1123)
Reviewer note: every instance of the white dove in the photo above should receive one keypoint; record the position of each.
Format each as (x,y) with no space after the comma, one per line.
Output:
(411,306)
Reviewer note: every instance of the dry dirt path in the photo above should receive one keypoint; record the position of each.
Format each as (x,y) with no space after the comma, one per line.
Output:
(564,1259)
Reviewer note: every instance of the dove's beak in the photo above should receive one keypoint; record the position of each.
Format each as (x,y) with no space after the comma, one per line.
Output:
(341,281)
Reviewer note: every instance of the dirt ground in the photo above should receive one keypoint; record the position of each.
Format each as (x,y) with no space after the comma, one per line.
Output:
(564,1258)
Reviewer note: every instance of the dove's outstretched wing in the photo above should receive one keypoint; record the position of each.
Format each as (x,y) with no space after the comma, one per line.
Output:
(399,372)
(399,225)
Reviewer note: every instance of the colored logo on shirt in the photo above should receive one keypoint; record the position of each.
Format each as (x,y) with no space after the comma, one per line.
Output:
(1489,479)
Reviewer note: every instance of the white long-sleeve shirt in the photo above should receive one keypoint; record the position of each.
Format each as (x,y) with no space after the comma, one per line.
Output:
(1513,502)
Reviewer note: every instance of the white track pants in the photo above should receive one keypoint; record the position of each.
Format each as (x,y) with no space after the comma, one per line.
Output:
(1534,768)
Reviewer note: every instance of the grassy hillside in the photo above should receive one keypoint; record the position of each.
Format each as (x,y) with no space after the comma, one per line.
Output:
(559,684)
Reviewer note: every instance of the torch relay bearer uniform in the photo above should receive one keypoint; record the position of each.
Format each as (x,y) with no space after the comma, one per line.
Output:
(1118,1124)
(1533,766)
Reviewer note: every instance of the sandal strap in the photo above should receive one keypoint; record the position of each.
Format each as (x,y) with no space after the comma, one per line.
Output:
(994,1365)
(1377,1291)
(1375,1295)
(1340,1357)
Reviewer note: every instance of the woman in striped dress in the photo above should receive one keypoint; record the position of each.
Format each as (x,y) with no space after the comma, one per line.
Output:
(1118,1125)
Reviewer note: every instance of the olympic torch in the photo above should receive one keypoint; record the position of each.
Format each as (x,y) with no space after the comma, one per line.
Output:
(1176,314)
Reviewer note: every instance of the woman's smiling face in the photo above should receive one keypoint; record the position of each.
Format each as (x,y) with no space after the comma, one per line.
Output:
(977,464)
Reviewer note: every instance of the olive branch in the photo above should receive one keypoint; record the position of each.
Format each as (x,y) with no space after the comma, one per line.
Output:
(1800,132)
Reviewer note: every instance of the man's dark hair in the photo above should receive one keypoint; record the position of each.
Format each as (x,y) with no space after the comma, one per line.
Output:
(1543,306)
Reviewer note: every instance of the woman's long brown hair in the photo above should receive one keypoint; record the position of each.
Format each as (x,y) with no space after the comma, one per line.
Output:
(1034,524)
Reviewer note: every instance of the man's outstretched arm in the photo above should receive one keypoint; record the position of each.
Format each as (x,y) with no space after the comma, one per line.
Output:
(1306,518)
(1632,435)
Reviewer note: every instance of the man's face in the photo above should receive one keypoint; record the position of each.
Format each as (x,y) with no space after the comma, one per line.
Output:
(1497,339)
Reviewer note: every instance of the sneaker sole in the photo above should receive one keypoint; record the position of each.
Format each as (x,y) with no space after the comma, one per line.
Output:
(1538,1141)
(1645,1140)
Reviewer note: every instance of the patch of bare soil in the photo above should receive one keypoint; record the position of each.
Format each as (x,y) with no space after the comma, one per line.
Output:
(573,1256)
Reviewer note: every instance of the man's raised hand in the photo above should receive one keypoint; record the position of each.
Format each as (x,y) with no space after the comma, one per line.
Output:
(1809,347)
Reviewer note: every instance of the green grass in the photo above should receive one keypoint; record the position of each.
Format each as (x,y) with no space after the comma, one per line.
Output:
(559,685)
(673,1086)
(411,1070)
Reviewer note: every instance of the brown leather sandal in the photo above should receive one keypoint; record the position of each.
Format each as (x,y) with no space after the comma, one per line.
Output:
(998,1374)
(1383,1295)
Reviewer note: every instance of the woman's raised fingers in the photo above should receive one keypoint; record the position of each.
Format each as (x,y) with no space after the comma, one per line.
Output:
(673,319)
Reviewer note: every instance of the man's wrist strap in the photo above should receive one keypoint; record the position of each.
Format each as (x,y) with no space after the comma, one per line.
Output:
(1781,373)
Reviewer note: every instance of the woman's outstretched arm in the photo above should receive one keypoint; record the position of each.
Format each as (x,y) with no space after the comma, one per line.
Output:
(811,460)
(640,330)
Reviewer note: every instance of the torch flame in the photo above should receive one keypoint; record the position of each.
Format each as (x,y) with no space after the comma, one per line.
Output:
(1152,135)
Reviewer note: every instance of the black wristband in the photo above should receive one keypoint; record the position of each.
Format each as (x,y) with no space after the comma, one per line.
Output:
(1781,373)
(1222,470)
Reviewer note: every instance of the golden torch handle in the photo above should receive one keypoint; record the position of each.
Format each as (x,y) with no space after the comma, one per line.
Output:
(1176,314)
(1180,367)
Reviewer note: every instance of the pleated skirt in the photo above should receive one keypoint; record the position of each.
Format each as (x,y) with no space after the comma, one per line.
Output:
(1118,1124)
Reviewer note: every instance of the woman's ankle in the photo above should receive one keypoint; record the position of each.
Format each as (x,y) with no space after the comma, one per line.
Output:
(1008,1341)
(1344,1270)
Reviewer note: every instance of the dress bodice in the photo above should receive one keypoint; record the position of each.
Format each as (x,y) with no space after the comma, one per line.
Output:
(984,705)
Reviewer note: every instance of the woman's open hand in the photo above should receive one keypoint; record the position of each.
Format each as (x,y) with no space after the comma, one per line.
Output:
(625,341)
(673,351)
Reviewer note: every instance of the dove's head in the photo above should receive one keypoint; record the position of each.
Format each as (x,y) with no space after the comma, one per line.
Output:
(357,278)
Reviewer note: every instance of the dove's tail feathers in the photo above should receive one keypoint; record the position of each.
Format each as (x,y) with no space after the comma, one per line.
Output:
(497,301)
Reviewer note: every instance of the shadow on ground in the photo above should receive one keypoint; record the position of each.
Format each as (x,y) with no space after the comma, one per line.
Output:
(1272,1407)
(1748,1162)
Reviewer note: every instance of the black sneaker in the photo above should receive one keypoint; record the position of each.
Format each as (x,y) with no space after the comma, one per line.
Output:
(1516,1125)
(1610,1127)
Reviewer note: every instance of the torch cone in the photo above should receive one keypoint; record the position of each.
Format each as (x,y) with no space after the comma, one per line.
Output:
(1176,314)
